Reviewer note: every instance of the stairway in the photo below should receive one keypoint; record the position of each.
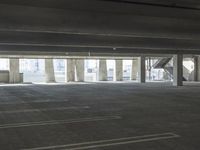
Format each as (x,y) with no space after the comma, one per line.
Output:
(161,64)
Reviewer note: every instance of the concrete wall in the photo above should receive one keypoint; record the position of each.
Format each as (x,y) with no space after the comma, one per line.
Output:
(5,74)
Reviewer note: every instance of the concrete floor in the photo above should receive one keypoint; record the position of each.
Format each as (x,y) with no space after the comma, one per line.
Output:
(121,116)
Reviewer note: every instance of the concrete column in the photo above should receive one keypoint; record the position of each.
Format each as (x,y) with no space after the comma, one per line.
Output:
(196,68)
(178,70)
(49,71)
(142,70)
(80,65)
(135,68)
(14,75)
(70,70)
(102,70)
(119,70)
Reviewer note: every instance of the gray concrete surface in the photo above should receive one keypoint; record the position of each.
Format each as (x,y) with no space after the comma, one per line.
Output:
(49,71)
(14,74)
(135,68)
(118,69)
(4,76)
(70,69)
(103,70)
(178,70)
(75,70)
(80,72)
(55,115)
(99,26)
(142,69)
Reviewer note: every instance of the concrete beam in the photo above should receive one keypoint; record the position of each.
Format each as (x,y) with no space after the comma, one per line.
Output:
(178,70)
(49,71)
(89,51)
(95,41)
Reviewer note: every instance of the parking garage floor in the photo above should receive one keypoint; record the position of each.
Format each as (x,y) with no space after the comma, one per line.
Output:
(107,116)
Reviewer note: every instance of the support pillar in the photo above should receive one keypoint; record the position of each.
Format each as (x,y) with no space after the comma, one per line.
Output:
(49,71)
(79,63)
(14,75)
(70,70)
(119,70)
(135,68)
(196,68)
(178,70)
(102,70)
(142,70)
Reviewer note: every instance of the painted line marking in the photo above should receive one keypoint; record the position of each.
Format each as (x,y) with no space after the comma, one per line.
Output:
(110,142)
(36,101)
(44,109)
(54,122)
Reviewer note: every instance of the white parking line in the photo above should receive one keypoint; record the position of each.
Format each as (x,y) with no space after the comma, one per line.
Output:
(110,142)
(44,109)
(32,101)
(54,122)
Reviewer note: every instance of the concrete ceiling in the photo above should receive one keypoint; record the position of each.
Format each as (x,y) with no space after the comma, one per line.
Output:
(99,26)
(89,4)
(185,4)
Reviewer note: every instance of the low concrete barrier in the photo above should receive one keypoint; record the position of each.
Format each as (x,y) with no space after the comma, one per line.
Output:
(4,76)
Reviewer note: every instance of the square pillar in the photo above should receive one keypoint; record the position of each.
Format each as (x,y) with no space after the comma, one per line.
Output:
(196,68)
(142,69)
(178,70)
(135,68)
(102,70)
(70,70)
(119,70)
(80,74)
(49,71)
(14,75)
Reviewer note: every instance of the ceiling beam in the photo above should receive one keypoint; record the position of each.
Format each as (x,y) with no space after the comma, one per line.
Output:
(89,42)
(85,51)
